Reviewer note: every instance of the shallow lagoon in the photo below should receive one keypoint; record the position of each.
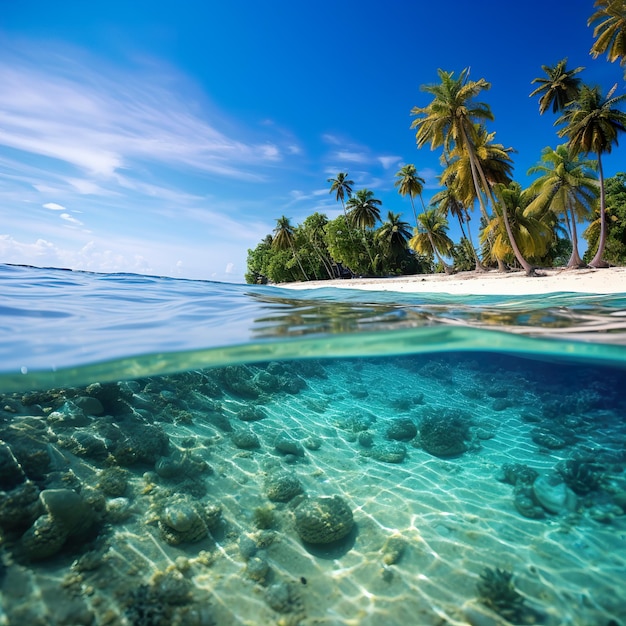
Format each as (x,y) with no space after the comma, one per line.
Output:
(403,479)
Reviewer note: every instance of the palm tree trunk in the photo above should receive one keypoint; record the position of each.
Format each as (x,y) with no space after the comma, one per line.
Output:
(345,213)
(446,268)
(369,254)
(474,166)
(413,207)
(574,260)
(528,268)
(479,266)
(597,260)
(568,225)
(323,259)
(295,256)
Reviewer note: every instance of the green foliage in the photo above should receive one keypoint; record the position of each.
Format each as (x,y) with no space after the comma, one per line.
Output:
(557,255)
(345,245)
(615,250)
(258,259)
(609,22)
(559,88)
(312,249)
(462,256)
(267,263)
(363,209)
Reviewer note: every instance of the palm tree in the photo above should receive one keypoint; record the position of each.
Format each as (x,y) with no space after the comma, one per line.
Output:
(363,211)
(448,203)
(493,163)
(313,229)
(431,236)
(592,232)
(394,234)
(610,30)
(450,120)
(284,237)
(531,235)
(496,167)
(567,186)
(341,185)
(410,184)
(593,124)
(559,88)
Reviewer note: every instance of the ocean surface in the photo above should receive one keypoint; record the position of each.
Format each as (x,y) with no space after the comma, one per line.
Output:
(192,452)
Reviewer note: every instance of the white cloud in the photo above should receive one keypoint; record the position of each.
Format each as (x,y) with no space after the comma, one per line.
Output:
(127,255)
(68,218)
(389,161)
(350,156)
(271,152)
(331,139)
(103,122)
(53,206)
(86,186)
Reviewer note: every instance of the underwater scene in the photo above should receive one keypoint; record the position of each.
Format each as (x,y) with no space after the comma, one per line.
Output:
(193,453)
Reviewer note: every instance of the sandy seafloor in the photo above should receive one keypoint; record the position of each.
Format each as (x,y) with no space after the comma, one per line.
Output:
(425,526)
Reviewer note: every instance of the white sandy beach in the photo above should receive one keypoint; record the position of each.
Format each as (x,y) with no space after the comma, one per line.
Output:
(588,280)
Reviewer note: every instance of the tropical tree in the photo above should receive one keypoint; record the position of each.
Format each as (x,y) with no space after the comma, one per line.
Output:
(431,236)
(394,235)
(341,186)
(559,88)
(363,209)
(531,235)
(447,203)
(615,249)
(257,262)
(284,237)
(568,187)
(410,184)
(345,246)
(452,118)
(312,246)
(363,212)
(463,255)
(495,166)
(592,125)
(609,30)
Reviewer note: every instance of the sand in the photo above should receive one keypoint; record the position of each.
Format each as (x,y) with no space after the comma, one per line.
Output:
(426,528)
(588,280)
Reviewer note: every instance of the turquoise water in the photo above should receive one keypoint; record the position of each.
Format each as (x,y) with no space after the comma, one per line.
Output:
(190,452)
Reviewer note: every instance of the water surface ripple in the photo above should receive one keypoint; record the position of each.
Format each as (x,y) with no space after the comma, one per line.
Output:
(57,320)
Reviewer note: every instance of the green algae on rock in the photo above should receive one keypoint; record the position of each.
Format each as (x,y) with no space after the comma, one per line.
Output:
(323,520)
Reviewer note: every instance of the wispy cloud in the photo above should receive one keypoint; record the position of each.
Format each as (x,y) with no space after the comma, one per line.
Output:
(69,218)
(351,156)
(389,161)
(53,206)
(105,122)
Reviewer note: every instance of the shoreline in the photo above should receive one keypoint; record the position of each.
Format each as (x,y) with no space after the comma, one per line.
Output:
(554,280)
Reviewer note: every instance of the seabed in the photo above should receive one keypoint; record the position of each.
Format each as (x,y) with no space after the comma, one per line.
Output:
(452,489)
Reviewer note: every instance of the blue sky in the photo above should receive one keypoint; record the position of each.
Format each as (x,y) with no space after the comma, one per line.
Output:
(166,137)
